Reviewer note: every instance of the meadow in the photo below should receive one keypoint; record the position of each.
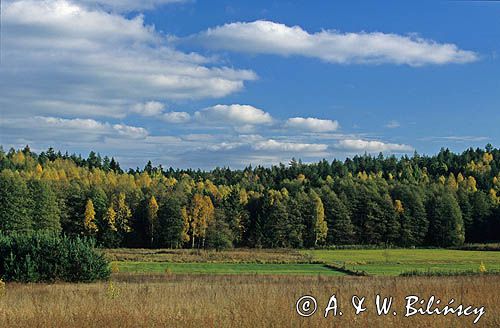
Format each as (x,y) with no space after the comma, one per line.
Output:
(396,261)
(392,262)
(257,288)
(227,268)
(179,300)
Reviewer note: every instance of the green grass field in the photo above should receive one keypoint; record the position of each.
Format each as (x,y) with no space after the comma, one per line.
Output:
(391,262)
(226,268)
(397,261)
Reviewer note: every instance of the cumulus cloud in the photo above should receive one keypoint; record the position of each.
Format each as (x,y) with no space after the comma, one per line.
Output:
(63,58)
(312,124)
(282,146)
(126,5)
(266,37)
(357,145)
(176,117)
(150,108)
(234,115)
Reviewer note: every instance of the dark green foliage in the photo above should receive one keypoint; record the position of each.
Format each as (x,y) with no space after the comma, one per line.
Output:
(219,234)
(170,223)
(480,213)
(446,223)
(340,227)
(37,257)
(413,220)
(43,206)
(14,211)
(234,215)
(277,225)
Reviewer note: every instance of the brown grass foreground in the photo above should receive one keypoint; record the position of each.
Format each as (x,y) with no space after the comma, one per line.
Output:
(238,301)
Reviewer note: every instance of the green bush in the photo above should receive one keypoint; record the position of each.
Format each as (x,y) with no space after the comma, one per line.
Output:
(47,257)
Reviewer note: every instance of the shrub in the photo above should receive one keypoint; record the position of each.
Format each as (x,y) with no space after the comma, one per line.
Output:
(47,257)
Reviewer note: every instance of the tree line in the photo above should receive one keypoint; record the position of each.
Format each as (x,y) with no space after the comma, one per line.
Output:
(442,200)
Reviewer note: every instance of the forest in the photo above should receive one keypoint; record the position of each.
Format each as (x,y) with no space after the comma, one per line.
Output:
(443,200)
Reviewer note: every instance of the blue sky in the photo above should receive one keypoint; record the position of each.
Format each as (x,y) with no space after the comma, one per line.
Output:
(215,83)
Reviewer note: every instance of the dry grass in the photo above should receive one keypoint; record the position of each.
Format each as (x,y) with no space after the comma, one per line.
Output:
(240,255)
(160,300)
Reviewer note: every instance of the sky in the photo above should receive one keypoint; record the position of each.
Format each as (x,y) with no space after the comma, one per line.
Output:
(200,84)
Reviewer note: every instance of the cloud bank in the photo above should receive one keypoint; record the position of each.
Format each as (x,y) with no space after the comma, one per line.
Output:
(81,75)
(267,37)
(60,56)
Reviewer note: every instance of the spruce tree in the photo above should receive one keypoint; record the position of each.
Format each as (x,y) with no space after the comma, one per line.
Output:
(14,202)
(340,227)
(446,222)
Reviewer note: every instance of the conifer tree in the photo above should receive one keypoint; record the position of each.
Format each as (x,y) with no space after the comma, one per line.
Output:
(340,227)
(14,201)
(446,223)
(171,231)
(44,207)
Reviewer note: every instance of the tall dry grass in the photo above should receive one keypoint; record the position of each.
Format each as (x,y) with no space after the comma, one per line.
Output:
(236,301)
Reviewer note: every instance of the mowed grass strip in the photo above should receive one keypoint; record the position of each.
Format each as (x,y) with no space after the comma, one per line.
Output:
(396,261)
(226,268)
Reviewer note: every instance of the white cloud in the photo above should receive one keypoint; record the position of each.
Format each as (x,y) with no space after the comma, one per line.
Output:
(130,131)
(225,146)
(357,145)
(274,145)
(234,115)
(62,58)
(126,5)
(312,124)
(266,37)
(392,124)
(77,129)
(150,108)
(176,117)
(73,124)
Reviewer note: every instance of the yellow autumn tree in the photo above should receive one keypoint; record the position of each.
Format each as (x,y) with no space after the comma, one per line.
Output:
(185,226)
(110,218)
(398,206)
(301,178)
(451,182)
(152,217)
(199,215)
(123,214)
(38,170)
(471,184)
(89,218)
(320,227)
(243,196)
